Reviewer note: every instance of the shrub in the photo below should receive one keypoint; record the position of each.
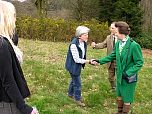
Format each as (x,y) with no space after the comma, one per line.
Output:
(58,30)
(145,40)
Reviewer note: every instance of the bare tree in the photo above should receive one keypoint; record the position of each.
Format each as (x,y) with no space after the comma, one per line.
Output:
(147,15)
(43,6)
(40,6)
(83,9)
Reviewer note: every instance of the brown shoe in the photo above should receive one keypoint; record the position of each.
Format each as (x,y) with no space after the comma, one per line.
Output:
(80,103)
(126,109)
(71,97)
(120,106)
(112,90)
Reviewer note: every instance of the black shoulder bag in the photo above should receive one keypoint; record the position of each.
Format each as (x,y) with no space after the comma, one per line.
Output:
(129,79)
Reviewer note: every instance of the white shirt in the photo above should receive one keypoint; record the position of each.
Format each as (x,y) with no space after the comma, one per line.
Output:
(122,44)
(75,53)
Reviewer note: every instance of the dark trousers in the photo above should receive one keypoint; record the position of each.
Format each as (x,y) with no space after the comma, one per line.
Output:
(75,87)
(8,108)
(111,72)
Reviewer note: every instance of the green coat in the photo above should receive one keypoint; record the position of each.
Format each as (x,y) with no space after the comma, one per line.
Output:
(134,64)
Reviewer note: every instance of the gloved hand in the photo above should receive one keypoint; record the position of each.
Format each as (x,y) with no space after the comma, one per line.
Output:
(96,61)
(93,62)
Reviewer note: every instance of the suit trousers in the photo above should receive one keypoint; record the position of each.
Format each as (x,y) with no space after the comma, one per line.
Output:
(8,108)
(111,72)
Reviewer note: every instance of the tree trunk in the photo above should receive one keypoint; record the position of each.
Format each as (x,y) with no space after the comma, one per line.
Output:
(147,14)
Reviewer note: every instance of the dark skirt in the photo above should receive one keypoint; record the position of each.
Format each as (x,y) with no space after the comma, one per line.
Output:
(8,108)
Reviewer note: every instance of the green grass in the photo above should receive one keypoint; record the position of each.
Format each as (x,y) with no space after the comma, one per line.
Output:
(48,81)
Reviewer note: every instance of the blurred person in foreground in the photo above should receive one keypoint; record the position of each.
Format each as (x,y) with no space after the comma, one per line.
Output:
(129,61)
(13,86)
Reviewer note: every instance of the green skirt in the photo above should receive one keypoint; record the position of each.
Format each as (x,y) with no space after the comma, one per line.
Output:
(126,91)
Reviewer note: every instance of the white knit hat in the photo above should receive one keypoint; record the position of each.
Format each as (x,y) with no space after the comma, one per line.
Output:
(81,30)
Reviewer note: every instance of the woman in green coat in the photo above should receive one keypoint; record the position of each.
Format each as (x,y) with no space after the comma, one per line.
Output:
(129,60)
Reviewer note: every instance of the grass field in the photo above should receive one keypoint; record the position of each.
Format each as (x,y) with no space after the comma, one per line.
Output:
(48,81)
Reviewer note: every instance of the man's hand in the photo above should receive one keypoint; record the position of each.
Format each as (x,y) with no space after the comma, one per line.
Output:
(93,44)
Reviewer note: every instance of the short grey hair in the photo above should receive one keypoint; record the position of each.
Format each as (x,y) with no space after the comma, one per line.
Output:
(81,30)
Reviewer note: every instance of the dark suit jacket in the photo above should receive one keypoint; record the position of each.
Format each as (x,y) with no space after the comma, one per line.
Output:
(13,87)
(15,38)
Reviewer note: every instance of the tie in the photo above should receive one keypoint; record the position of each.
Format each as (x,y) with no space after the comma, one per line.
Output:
(114,41)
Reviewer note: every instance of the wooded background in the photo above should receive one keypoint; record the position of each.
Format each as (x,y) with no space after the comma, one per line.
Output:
(137,13)
(68,8)
(146,5)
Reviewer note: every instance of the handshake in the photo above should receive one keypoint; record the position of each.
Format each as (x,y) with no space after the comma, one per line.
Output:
(94,62)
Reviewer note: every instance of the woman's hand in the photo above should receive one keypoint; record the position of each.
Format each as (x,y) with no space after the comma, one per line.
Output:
(94,62)
(34,111)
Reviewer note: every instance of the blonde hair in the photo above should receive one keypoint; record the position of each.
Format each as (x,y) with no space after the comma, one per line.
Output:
(7,25)
(7,19)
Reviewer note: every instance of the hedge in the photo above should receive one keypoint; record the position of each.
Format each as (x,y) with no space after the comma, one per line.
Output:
(58,30)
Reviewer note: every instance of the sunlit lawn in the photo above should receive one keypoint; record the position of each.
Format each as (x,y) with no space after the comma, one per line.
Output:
(48,81)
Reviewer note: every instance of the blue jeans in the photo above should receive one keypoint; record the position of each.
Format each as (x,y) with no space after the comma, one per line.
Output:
(75,87)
